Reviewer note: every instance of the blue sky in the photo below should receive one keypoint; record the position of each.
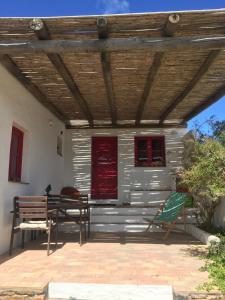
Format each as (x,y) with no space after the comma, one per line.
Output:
(28,8)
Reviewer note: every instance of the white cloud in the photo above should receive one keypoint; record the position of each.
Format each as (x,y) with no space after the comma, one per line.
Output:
(115,6)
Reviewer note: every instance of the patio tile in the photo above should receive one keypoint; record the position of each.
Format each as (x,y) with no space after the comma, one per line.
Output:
(139,259)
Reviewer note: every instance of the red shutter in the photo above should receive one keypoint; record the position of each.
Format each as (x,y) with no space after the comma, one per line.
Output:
(16,154)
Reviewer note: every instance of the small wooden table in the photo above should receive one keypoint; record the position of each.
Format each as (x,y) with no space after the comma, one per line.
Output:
(62,205)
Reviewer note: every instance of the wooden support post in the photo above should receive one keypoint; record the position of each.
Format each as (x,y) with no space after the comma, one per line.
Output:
(106,69)
(42,33)
(200,73)
(13,69)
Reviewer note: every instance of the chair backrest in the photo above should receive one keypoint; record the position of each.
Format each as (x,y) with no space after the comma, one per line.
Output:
(173,199)
(173,207)
(31,207)
(70,191)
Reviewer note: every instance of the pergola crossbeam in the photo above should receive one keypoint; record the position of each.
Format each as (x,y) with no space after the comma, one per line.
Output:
(13,69)
(118,126)
(157,44)
(42,33)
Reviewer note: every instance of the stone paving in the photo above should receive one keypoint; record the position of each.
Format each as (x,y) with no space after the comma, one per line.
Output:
(111,258)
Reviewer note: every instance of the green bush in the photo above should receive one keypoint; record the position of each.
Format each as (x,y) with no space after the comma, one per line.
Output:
(205,177)
(215,265)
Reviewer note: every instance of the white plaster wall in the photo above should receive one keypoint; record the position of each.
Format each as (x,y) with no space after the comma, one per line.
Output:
(78,160)
(41,164)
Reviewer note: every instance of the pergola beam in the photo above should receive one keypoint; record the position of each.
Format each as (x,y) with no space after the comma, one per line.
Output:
(158,44)
(148,85)
(171,25)
(209,101)
(106,68)
(168,30)
(197,77)
(42,33)
(13,69)
(118,126)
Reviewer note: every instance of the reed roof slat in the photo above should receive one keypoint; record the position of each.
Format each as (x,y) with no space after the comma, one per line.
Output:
(129,69)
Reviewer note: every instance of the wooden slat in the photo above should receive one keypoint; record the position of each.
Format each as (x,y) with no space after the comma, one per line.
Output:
(33,204)
(32,209)
(43,34)
(33,216)
(13,69)
(157,44)
(32,198)
(209,101)
(106,68)
(197,77)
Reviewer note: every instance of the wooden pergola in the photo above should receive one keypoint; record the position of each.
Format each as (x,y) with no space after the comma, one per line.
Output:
(134,70)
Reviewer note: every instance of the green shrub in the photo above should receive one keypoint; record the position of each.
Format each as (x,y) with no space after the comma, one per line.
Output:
(205,177)
(215,266)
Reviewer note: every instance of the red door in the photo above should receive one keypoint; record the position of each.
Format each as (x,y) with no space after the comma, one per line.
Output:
(104,168)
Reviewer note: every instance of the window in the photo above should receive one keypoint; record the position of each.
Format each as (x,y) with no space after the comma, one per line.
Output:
(149,151)
(16,153)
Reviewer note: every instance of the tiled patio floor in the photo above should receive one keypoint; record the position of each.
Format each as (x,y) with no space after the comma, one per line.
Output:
(108,258)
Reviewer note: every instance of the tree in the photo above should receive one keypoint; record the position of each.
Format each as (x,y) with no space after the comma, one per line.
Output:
(205,174)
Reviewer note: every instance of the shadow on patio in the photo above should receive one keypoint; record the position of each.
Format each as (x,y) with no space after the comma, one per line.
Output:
(117,258)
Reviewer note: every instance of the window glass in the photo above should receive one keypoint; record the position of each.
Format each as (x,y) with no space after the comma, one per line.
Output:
(142,150)
(157,152)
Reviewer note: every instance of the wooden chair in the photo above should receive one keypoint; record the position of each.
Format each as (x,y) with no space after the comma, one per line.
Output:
(168,213)
(69,193)
(31,214)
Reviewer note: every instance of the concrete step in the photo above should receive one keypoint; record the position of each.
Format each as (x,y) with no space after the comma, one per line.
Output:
(83,291)
(124,211)
(145,197)
(128,219)
(123,219)
(122,227)
(112,227)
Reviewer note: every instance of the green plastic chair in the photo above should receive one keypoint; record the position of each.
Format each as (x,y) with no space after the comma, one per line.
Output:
(169,212)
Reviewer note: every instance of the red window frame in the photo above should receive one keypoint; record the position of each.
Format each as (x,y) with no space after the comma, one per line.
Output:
(150,157)
(16,155)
